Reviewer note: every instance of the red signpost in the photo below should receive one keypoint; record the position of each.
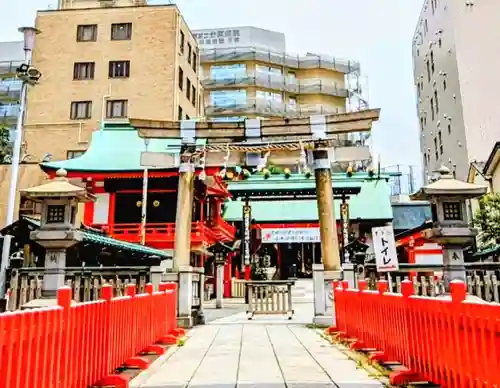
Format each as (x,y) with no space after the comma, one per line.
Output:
(79,345)
(447,342)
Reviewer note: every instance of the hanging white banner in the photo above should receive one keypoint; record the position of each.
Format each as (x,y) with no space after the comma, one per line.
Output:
(290,235)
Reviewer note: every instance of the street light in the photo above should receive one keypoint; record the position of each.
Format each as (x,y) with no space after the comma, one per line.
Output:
(29,76)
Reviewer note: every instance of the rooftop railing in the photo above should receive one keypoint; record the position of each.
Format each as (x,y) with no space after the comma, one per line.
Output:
(310,61)
(278,82)
(265,107)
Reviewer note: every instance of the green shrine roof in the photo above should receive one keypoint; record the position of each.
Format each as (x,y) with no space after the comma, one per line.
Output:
(277,182)
(372,203)
(116,147)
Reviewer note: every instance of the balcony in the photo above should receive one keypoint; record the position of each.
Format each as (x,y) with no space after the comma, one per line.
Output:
(311,61)
(10,92)
(8,114)
(285,84)
(162,235)
(261,106)
(8,68)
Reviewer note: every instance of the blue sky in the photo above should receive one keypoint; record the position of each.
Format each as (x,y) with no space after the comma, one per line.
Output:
(378,33)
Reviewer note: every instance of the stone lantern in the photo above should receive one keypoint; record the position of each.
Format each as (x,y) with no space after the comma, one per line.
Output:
(58,229)
(220,252)
(451,225)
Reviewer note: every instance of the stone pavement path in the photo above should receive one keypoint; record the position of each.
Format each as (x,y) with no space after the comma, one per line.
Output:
(267,352)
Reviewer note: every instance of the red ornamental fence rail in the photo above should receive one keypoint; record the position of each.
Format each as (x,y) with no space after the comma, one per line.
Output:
(450,342)
(78,345)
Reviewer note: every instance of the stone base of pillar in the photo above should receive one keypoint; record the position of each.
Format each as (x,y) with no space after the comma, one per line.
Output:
(185,322)
(219,289)
(349,274)
(185,297)
(323,295)
(157,272)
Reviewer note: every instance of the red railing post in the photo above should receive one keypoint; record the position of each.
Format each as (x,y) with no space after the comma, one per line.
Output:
(64,301)
(407,290)
(106,294)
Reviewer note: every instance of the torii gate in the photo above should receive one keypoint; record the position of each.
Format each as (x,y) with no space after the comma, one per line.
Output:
(255,135)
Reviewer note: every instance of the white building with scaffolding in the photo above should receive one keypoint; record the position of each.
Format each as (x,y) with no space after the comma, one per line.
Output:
(248,73)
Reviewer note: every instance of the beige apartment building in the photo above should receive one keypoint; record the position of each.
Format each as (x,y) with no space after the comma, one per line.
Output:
(456,61)
(104,61)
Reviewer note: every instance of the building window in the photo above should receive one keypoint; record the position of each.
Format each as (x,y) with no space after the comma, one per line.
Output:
(440,141)
(81,110)
(436,153)
(426,27)
(452,211)
(190,52)
(428,71)
(444,85)
(188,88)
(449,129)
(181,79)
(432,108)
(182,42)
(195,62)
(193,96)
(116,109)
(188,118)
(440,42)
(86,33)
(121,31)
(179,113)
(55,214)
(422,126)
(119,69)
(83,70)
(74,154)
(432,62)
(436,101)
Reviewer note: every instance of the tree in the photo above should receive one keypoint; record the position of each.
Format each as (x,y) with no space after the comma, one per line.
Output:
(487,219)
(5,145)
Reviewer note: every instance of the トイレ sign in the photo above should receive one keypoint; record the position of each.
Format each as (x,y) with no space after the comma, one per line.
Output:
(290,235)
(384,247)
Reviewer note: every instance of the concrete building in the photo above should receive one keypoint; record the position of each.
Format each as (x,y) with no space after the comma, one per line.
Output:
(11,56)
(104,60)
(247,73)
(455,67)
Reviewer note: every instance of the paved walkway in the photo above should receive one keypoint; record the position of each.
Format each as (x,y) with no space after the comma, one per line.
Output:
(267,352)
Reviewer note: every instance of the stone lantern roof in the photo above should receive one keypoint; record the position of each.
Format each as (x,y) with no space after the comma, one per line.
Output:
(59,187)
(447,185)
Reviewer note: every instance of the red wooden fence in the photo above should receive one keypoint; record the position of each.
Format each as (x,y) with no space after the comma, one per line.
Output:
(452,343)
(77,345)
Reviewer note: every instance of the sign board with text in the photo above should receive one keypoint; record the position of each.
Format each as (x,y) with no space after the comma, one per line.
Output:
(384,246)
(290,235)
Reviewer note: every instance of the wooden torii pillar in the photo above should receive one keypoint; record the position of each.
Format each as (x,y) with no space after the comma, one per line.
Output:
(254,135)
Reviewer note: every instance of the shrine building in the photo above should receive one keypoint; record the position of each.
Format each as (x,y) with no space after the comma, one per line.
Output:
(112,170)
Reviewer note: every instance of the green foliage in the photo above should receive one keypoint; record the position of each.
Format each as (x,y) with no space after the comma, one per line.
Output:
(487,218)
(5,145)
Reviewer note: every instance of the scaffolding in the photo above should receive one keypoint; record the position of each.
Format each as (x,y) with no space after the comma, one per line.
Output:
(261,106)
(278,82)
(309,61)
